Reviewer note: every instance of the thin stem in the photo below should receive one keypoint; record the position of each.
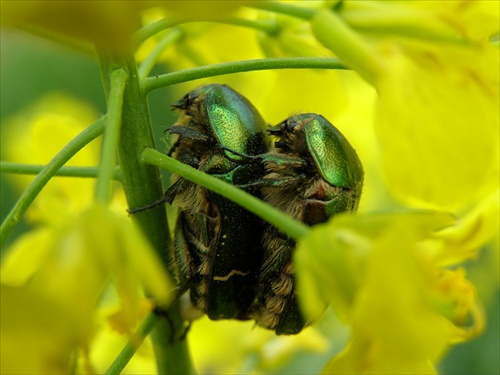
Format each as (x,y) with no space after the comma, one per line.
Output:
(265,26)
(157,27)
(118,79)
(66,171)
(154,28)
(150,61)
(284,8)
(154,83)
(133,344)
(293,228)
(62,157)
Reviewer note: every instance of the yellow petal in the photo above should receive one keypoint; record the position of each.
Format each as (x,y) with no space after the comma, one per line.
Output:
(354,360)
(119,246)
(369,268)
(38,334)
(104,22)
(464,240)
(82,257)
(438,124)
(393,309)
(475,19)
(331,260)
(25,256)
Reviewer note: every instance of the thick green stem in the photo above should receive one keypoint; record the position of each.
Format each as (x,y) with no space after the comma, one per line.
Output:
(142,185)
(62,157)
(293,228)
(154,83)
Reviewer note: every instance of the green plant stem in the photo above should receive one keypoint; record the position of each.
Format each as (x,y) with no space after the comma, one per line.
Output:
(149,62)
(154,83)
(111,137)
(66,171)
(283,8)
(265,26)
(293,228)
(142,185)
(154,28)
(159,26)
(133,344)
(14,216)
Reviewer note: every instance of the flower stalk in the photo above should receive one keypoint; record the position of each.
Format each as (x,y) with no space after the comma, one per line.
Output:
(142,185)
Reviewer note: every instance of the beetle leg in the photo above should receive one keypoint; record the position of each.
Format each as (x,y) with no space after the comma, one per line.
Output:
(283,161)
(244,157)
(266,182)
(174,189)
(169,196)
(187,132)
(163,313)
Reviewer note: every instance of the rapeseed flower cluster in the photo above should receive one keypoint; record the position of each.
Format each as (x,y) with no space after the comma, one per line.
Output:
(422,110)
(78,256)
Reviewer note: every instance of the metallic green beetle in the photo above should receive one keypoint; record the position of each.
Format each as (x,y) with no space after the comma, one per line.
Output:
(217,243)
(312,174)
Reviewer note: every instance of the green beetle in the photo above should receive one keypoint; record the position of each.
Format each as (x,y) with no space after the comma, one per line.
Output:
(312,174)
(217,243)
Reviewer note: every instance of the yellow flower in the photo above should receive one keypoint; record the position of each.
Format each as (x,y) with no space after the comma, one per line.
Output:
(437,122)
(38,333)
(77,255)
(437,115)
(437,112)
(403,310)
(280,93)
(80,259)
(106,23)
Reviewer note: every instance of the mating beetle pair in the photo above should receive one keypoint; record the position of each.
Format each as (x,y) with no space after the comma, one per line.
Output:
(236,265)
